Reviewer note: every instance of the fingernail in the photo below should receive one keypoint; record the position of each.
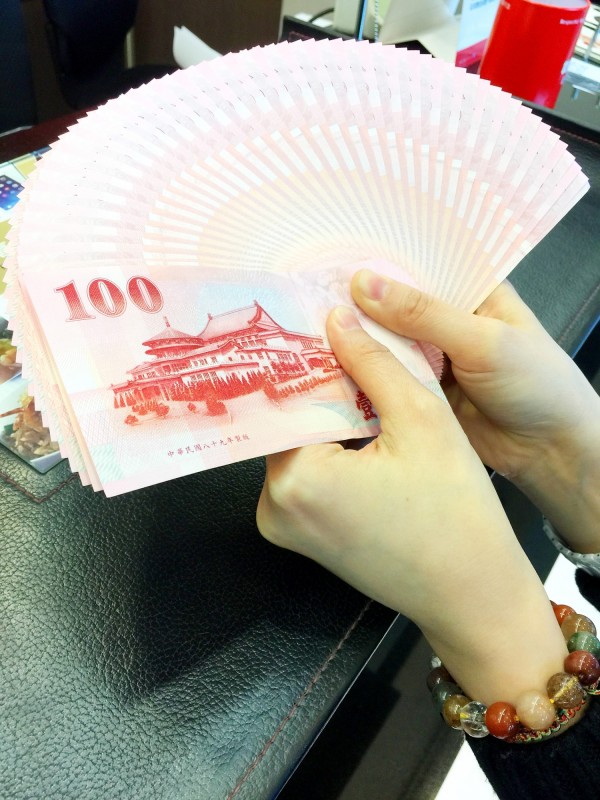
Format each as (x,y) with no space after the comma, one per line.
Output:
(372,285)
(345,318)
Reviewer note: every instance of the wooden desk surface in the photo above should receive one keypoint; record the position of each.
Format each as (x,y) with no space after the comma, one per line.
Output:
(26,141)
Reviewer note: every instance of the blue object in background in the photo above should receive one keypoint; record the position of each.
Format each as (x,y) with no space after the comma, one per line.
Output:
(9,192)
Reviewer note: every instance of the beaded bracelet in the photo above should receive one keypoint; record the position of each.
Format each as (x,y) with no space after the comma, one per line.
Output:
(535,716)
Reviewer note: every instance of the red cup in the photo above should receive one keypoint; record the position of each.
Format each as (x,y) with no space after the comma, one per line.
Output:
(530,46)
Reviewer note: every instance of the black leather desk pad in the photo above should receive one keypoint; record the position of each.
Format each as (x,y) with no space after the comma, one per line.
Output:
(560,278)
(153,646)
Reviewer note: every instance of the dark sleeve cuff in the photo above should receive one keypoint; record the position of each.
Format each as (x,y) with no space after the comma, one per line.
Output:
(566,766)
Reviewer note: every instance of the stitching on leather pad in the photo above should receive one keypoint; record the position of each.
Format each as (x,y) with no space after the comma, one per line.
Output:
(580,137)
(591,298)
(35,498)
(299,701)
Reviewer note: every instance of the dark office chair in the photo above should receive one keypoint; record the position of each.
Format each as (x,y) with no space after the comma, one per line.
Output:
(87,41)
(17,99)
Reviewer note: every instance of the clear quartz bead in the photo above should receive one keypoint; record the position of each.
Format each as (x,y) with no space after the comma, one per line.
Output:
(472,719)
(435,661)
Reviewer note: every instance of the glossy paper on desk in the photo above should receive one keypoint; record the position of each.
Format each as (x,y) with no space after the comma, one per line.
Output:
(21,428)
(170,297)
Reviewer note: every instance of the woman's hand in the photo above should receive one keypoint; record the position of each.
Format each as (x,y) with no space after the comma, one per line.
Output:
(413,521)
(526,408)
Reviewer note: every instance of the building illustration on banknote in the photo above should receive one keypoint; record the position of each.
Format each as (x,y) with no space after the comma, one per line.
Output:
(238,352)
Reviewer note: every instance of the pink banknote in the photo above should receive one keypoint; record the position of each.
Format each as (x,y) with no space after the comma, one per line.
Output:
(162,376)
(176,254)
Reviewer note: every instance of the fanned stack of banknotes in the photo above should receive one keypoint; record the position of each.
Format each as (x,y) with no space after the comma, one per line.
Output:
(175,255)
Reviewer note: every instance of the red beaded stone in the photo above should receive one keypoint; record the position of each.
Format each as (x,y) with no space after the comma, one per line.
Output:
(585,666)
(501,720)
(561,612)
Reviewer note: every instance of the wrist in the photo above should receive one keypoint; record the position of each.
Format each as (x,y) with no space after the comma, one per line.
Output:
(564,483)
(510,646)
(536,714)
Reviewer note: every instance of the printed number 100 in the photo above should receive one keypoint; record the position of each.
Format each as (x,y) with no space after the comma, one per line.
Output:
(108,300)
